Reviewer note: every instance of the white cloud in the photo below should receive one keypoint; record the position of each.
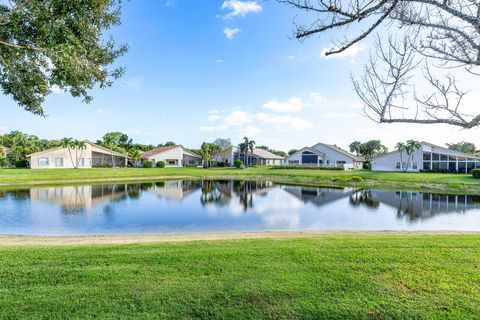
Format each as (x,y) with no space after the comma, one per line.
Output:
(293,104)
(134,83)
(4,129)
(219,61)
(57,90)
(351,52)
(240,8)
(230,33)
(249,131)
(283,123)
(214,117)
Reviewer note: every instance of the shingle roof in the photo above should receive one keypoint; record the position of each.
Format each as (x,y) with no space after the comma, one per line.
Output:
(86,141)
(344,152)
(158,150)
(266,154)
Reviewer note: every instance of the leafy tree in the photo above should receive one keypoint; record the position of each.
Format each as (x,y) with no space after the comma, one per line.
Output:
(223,143)
(369,149)
(463,146)
(276,152)
(292,151)
(355,147)
(247,147)
(68,143)
(136,155)
(79,146)
(208,151)
(47,44)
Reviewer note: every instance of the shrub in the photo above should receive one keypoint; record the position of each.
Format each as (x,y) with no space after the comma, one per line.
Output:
(160,164)
(476,173)
(148,164)
(238,163)
(348,179)
(3,162)
(367,166)
(102,165)
(309,168)
(21,164)
(191,165)
(242,166)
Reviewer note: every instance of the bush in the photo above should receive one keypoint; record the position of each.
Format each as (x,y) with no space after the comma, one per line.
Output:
(367,166)
(160,164)
(21,164)
(242,166)
(102,165)
(476,173)
(309,168)
(238,163)
(148,164)
(348,179)
(191,165)
(3,162)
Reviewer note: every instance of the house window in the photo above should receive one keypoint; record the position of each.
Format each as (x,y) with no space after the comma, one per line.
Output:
(293,162)
(328,162)
(427,156)
(172,162)
(398,165)
(341,163)
(59,162)
(81,162)
(309,157)
(88,162)
(414,166)
(43,161)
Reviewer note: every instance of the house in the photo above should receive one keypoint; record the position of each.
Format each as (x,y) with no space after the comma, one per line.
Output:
(92,156)
(4,151)
(259,157)
(173,156)
(323,154)
(429,158)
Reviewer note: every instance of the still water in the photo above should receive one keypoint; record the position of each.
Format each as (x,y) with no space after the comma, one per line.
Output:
(223,206)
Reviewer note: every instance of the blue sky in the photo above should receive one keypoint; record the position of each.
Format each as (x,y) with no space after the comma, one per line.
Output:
(198,72)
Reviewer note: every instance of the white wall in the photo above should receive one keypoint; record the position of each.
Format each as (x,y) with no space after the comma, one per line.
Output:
(388,162)
(62,153)
(172,154)
(330,159)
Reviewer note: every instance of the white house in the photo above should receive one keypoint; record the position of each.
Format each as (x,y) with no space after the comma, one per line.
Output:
(259,157)
(173,156)
(323,154)
(429,158)
(93,155)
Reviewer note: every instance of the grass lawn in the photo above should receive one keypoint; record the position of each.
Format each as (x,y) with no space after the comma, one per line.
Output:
(430,181)
(374,276)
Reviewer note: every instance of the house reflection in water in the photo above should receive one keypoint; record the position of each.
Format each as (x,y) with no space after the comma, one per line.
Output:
(79,198)
(319,196)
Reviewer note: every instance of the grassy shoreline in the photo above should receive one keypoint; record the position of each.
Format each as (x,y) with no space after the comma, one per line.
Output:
(451,183)
(362,276)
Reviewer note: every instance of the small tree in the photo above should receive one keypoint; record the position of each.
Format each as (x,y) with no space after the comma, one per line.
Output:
(68,143)
(409,148)
(246,147)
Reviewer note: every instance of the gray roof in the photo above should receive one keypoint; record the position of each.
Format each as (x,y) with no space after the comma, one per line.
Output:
(266,154)
(344,152)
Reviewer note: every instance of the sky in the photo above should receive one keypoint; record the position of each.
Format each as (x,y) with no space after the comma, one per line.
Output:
(223,69)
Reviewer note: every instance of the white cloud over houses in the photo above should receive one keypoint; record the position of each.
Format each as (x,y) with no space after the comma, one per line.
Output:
(293,104)
(240,8)
(230,33)
(351,52)
(134,83)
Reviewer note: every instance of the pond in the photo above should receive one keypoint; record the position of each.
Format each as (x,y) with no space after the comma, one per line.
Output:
(227,206)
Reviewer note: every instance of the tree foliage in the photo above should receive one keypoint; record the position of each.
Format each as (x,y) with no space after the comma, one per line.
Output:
(50,45)
(463,146)
(369,149)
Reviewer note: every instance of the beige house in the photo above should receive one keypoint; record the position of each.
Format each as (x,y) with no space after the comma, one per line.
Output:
(173,156)
(93,155)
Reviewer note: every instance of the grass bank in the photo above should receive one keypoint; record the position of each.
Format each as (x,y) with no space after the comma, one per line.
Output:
(412,181)
(375,276)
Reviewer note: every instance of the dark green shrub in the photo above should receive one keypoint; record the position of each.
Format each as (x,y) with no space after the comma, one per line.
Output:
(21,164)
(102,165)
(476,173)
(238,163)
(367,166)
(148,164)
(309,168)
(3,162)
(191,165)
(160,164)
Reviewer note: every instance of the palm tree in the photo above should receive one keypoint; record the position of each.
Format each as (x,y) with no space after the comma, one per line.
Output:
(410,147)
(136,155)
(355,147)
(69,144)
(401,147)
(79,145)
(246,146)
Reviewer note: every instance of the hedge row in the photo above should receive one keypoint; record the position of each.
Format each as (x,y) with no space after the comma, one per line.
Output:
(476,173)
(309,168)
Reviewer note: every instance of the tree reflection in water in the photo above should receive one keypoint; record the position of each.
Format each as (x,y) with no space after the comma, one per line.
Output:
(364,197)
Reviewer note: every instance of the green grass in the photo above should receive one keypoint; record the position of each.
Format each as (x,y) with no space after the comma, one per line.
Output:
(430,181)
(376,276)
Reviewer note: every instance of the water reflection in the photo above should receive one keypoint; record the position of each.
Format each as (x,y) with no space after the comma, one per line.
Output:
(228,205)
